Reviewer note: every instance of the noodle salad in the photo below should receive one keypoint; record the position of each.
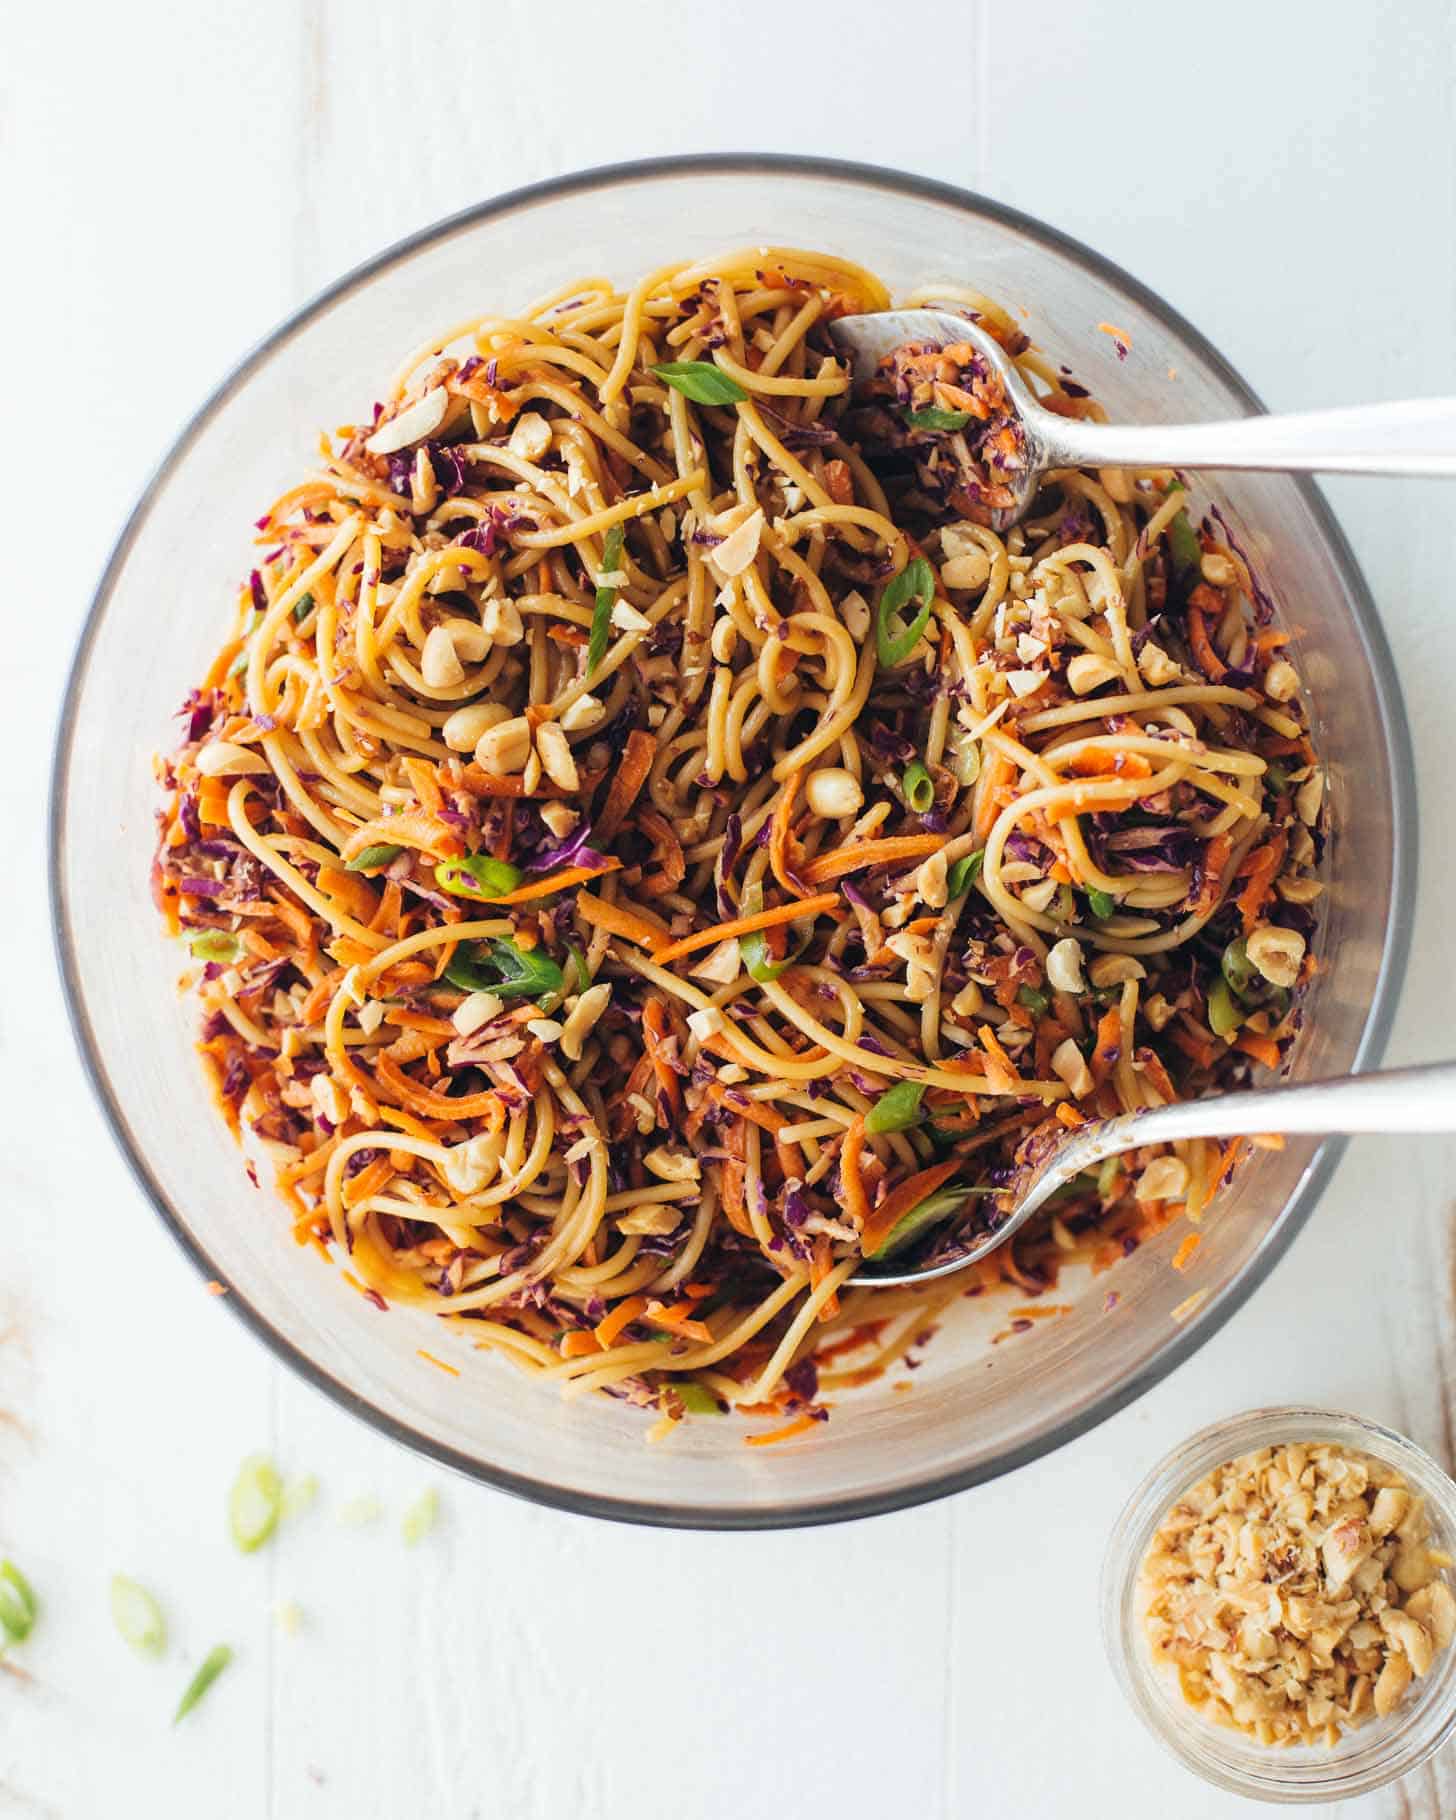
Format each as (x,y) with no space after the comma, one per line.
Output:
(651,848)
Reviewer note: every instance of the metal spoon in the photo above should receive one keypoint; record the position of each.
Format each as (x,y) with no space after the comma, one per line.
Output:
(1401,1100)
(1415,436)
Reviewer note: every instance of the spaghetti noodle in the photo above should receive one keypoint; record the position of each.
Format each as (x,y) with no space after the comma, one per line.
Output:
(651,846)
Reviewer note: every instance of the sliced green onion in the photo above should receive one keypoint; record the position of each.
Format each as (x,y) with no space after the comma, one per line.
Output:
(1034,1000)
(753,948)
(1224,1015)
(1107,1174)
(897,1109)
(934,419)
(254,1503)
(919,787)
(1276,777)
(478,875)
(18,1603)
(702,381)
(601,625)
(302,607)
(1101,903)
(379,855)
(1237,968)
(896,638)
(578,962)
(421,1516)
(963,874)
(213,1664)
(934,1208)
(299,1495)
(696,1398)
(216,945)
(138,1617)
(1183,546)
(240,662)
(504,969)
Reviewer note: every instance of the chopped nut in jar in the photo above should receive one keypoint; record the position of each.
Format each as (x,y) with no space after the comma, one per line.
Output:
(1271,1590)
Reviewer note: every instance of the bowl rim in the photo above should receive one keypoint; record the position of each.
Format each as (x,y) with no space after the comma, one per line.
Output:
(1189,1338)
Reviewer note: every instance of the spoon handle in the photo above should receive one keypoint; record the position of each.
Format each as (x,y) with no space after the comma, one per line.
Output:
(1400,1100)
(1412,436)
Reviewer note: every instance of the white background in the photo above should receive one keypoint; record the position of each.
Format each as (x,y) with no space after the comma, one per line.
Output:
(175,179)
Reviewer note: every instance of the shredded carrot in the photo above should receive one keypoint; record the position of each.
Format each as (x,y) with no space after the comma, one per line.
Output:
(851,1174)
(423,1022)
(1233,1150)
(819,1268)
(1262,866)
(781,848)
(1201,600)
(678,1317)
(1109,1041)
(666,850)
(1203,1053)
(1183,1256)
(801,1426)
(626,785)
(1098,763)
(656,1031)
(368,1181)
(997,775)
(1069,1116)
(1262,1048)
(898,1202)
(557,881)
(216,1288)
(439,1364)
(623,1315)
(348,889)
(1215,858)
(397,1084)
(422,778)
(745,925)
(577,1344)
(871,853)
(412,829)
(1271,639)
(629,923)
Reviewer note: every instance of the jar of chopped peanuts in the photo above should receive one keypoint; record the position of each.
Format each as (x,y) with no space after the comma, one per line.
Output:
(1279,1604)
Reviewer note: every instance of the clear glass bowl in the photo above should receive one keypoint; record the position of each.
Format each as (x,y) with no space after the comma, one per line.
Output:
(1363,1760)
(975,1410)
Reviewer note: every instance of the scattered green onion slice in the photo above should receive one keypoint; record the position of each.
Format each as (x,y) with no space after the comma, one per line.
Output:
(1224,1015)
(254,1503)
(504,969)
(1107,1174)
(1183,546)
(897,1109)
(964,873)
(216,945)
(302,607)
(298,1496)
(1101,903)
(601,625)
(379,855)
(929,1212)
(1237,968)
(701,381)
(213,1664)
(696,1398)
(896,638)
(138,1617)
(919,787)
(934,419)
(240,662)
(1035,1000)
(582,979)
(18,1603)
(477,875)
(753,948)
(421,1516)
(1276,777)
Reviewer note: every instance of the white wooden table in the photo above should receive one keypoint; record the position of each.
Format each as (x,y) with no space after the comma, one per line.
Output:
(177,177)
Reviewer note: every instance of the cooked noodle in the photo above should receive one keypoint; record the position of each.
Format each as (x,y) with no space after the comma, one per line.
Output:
(580,847)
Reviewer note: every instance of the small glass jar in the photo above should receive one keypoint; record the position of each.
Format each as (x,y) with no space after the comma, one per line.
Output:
(1364,1759)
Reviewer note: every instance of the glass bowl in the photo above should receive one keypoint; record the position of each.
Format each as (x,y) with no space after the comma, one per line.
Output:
(1363,1760)
(976,1410)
